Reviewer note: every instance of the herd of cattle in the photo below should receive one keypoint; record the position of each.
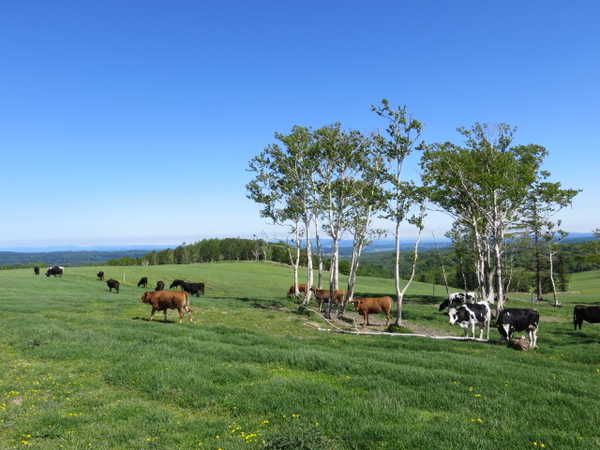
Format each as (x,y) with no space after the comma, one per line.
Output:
(462,311)
(160,300)
(462,308)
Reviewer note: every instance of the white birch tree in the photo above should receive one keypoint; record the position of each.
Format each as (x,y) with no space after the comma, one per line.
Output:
(403,133)
(284,178)
(483,186)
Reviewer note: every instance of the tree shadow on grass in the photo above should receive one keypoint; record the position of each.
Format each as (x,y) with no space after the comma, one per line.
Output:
(576,336)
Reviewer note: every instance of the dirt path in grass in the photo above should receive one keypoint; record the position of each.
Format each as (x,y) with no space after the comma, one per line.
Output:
(353,322)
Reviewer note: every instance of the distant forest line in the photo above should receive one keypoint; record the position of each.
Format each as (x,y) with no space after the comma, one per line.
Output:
(437,266)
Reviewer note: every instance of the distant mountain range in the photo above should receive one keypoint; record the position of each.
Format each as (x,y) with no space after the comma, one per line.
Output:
(91,248)
(79,256)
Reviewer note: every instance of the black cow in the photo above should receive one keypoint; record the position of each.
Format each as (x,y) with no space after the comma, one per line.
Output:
(112,284)
(519,319)
(56,270)
(193,288)
(160,286)
(590,314)
(471,314)
(143,281)
(100,275)
(36,270)
(176,283)
(457,299)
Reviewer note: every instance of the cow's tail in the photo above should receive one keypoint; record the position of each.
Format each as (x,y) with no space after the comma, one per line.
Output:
(187,304)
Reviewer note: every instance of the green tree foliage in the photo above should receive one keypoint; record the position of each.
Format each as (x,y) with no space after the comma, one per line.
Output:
(484,186)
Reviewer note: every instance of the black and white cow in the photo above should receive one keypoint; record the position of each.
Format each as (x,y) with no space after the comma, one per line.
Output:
(457,299)
(519,319)
(590,314)
(143,282)
(54,271)
(471,314)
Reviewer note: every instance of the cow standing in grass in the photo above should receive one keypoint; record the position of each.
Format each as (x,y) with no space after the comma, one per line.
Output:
(292,290)
(456,299)
(164,300)
(322,296)
(374,305)
(471,314)
(113,284)
(590,314)
(54,271)
(519,319)
(176,283)
(193,288)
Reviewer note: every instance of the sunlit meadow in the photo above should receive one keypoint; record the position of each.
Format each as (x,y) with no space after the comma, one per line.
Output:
(84,368)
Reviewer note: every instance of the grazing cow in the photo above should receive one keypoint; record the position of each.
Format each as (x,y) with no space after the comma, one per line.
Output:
(192,288)
(457,299)
(374,305)
(163,300)
(160,286)
(471,314)
(176,283)
(100,275)
(112,284)
(143,282)
(590,314)
(36,270)
(292,289)
(322,296)
(519,319)
(56,270)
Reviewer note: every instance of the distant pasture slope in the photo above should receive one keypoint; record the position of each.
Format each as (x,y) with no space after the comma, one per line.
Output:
(83,368)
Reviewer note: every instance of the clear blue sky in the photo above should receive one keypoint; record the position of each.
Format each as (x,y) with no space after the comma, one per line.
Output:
(132,122)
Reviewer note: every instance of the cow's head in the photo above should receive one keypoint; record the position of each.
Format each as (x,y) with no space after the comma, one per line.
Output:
(505,331)
(444,304)
(144,298)
(452,316)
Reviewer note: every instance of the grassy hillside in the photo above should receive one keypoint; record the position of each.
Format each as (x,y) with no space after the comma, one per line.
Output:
(83,368)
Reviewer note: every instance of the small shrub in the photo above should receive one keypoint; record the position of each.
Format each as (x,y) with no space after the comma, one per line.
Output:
(397,329)
(297,436)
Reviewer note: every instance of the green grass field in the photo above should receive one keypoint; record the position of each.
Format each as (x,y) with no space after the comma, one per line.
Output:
(82,368)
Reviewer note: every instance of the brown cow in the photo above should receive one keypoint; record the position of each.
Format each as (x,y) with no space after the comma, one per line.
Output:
(163,300)
(322,296)
(292,290)
(374,305)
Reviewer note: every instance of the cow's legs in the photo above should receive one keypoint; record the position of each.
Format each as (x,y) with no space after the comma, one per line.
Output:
(533,338)
(152,314)
(189,311)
